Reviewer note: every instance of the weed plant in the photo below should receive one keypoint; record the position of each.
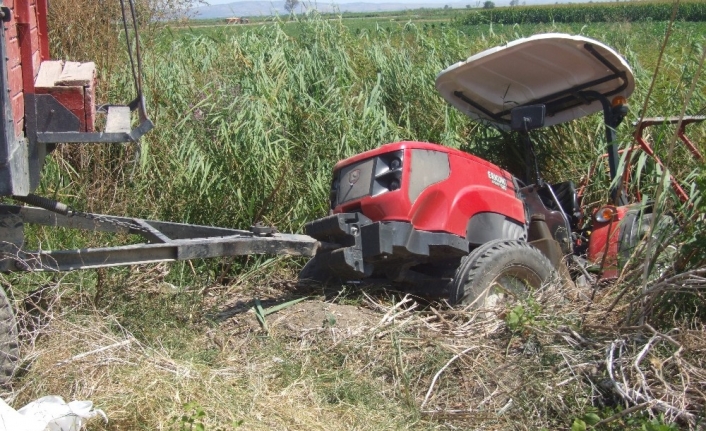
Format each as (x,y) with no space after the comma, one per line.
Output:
(250,125)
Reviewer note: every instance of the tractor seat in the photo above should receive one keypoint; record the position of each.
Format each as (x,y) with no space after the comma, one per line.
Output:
(568,200)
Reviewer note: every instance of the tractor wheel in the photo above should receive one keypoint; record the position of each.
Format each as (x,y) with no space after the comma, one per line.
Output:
(9,346)
(634,232)
(496,271)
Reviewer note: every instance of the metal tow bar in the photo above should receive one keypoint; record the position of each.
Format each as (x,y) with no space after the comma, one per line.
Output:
(165,241)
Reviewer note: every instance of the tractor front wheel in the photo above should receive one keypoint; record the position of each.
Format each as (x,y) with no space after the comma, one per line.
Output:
(496,271)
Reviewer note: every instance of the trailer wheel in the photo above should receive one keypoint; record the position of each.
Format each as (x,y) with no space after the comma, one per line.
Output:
(9,346)
(498,270)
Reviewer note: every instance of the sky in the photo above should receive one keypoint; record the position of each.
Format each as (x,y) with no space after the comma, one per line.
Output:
(219,2)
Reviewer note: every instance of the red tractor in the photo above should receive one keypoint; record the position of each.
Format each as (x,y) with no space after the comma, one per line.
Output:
(450,224)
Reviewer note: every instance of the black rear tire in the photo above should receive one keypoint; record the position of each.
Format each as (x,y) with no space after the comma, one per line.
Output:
(9,345)
(496,270)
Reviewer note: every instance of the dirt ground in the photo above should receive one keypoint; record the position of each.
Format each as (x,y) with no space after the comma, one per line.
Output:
(315,315)
(311,314)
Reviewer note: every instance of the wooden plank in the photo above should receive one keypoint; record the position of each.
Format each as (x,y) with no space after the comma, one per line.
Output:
(71,84)
(89,106)
(13,52)
(49,72)
(18,109)
(42,6)
(36,56)
(76,73)
(118,120)
(14,80)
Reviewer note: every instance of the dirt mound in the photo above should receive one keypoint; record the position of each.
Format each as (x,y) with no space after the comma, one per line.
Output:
(284,316)
(317,316)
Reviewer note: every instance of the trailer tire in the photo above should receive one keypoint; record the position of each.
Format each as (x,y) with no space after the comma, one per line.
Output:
(498,269)
(9,345)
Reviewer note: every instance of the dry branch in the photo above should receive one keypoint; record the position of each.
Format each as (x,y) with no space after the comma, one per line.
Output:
(436,376)
(93,352)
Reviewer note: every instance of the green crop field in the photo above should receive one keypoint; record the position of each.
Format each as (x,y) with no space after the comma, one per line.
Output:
(634,12)
(355,22)
(250,120)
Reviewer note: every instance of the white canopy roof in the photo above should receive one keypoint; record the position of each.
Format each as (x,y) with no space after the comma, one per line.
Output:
(558,70)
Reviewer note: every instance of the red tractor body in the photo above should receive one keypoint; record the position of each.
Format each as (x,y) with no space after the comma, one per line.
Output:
(604,245)
(401,207)
(434,188)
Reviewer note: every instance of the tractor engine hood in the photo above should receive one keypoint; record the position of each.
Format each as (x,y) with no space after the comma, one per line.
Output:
(566,73)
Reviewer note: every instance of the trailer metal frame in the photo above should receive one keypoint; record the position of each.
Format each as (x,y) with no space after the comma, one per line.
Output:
(163,241)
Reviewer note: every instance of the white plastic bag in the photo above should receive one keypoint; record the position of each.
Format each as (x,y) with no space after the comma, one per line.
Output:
(11,420)
(50,413)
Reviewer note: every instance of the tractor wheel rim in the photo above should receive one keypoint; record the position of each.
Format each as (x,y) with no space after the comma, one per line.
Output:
(507,285)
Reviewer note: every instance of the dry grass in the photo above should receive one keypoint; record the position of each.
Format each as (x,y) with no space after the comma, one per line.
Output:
(357,360)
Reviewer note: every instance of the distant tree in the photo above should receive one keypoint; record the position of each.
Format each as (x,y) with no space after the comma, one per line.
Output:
(447,7)
(488,4)
(514,2)
(468,6)
(290,5)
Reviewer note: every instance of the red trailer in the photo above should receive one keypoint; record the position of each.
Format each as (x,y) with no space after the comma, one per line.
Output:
(47,102)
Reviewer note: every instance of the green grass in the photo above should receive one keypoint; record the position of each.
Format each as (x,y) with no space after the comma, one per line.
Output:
(292,27)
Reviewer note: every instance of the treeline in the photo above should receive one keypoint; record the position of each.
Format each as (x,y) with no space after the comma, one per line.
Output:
(602,12)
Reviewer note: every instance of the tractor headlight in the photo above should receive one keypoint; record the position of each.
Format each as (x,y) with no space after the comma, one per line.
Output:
(618,101)
(605,214)
(388,172)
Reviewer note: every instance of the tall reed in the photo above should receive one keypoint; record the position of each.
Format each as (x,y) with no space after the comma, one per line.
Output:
(249,124)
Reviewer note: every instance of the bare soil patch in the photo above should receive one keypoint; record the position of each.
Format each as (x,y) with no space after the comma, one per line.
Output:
(315,315)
